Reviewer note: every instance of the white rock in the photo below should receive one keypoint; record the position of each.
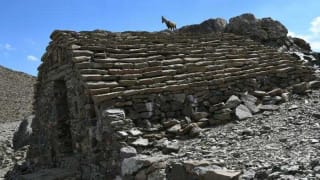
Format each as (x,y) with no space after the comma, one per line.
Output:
(242,112)
(141,142)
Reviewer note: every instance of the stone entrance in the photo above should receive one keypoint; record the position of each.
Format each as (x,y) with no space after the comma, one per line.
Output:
(63,132)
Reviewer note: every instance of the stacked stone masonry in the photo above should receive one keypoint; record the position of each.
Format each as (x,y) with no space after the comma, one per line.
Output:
(95,87)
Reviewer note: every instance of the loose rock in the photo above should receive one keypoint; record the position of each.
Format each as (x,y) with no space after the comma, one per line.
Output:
(242,112)
(233,102)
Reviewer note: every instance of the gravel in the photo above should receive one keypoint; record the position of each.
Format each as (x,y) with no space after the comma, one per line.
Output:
(284,143)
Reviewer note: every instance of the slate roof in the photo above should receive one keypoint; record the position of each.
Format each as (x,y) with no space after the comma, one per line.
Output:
(129,63)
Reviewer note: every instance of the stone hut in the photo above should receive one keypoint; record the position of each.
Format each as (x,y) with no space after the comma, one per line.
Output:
(98,91)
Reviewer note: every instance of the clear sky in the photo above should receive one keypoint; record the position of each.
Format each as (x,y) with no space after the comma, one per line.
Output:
(27,24)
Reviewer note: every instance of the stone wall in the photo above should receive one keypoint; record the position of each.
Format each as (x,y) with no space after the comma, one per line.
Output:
(64,113)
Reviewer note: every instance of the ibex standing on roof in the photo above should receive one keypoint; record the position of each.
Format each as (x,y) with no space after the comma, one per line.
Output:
(172,26)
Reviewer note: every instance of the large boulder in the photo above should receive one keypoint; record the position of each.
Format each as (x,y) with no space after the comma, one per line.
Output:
(302,44)
(208,26)
(22,135)
(265,30)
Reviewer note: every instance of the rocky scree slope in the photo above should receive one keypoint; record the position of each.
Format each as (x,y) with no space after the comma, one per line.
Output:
(16,94)
(279,144)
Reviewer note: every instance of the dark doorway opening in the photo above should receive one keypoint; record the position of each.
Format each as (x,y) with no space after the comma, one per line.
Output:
(63,132)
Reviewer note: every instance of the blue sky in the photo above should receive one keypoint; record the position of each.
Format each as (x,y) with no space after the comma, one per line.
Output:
(27,24)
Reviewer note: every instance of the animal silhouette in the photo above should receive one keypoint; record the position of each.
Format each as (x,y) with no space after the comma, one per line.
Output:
(170,25)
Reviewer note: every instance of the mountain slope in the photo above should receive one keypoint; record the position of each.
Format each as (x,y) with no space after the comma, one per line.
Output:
(16,94)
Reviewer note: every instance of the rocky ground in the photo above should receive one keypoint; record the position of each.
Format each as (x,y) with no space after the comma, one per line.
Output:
(9,157)
(283,143)
(16,94)
(272,145)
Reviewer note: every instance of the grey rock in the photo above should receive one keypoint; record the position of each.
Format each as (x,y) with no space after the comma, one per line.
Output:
(223,114)
(266,127)
(248,174)
(171,146)
(316,169)
(208,26)
(132,165)
(242,112)
(248,98)
(114,114)
(250,102)
(290,169)
(22,135)
(140,142)
(123,134)
(199,115)
(252,107)
(233,102)
(207,173)
(188,128)
(247,132)
(203,123)
(191,164)
(275,92)
(301,44)
(217,107)
(174,129)
(277,99)
(274,175)
(314,84)
(195,131)
(259,93)
(314,141)
(300,88)
(135,132)
(285,96)
(265,30)
(168,146)
(187,120)
(128,151)
(266,99)
(293,107)
(149,106)
(170,123)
